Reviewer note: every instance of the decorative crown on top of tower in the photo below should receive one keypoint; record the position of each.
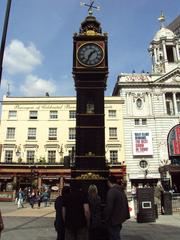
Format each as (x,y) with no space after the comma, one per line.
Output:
(90,26)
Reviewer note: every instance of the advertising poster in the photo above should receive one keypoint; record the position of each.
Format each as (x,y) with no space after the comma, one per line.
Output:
(142,143)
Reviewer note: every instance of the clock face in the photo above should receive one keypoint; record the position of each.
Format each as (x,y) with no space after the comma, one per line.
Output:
(90,54)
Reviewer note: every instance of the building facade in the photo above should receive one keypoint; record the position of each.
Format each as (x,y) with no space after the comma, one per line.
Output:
(150,112)
(38,139)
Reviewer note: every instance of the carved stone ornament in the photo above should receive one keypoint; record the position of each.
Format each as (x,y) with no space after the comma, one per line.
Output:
(138,96)
(159,67)
(176,78)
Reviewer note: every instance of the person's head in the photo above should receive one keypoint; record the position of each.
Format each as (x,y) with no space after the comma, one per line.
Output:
(76,186)
(92,190)
(65,190)
(112,180)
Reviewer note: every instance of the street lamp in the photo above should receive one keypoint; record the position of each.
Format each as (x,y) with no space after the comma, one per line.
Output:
(61,153)
(3,40)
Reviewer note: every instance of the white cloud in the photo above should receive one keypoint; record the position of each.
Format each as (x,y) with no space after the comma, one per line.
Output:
(35,86)
(19,58)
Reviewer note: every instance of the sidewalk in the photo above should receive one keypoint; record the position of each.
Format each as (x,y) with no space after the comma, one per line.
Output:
(166,227)
(38,224)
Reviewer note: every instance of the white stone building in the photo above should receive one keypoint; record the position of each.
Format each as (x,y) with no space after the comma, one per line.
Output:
(151,110)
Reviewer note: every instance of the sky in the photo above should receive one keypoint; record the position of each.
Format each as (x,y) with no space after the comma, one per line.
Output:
(39,44)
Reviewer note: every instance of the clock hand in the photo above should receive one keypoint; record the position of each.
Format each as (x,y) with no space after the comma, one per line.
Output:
(91,53)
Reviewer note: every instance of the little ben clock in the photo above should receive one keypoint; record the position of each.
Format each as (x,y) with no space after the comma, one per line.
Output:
(90,54)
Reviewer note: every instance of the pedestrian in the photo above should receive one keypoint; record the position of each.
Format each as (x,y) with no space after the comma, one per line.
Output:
(95,213)
(59,223)
(45,197)
(116,210)
(133,191)
(16,197)
(1,224)
(39,198)
(76,214)
(20,198)
(32,198)
(158,196)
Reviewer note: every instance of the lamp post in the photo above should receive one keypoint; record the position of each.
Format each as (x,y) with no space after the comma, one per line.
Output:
(34,176)
(3,40)
(61,153)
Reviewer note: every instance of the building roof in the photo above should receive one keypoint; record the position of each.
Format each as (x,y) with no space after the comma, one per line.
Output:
(164,33)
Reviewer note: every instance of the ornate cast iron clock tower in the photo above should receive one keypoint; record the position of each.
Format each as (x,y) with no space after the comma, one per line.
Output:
(90,71)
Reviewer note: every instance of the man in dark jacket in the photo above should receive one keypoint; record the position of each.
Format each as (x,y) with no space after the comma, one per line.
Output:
(76,214)
(58,223)
(116,211)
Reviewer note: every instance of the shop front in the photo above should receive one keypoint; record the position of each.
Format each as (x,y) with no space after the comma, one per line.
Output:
(23,176)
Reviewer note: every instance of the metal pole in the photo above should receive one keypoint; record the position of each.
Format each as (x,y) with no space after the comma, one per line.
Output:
(3,40)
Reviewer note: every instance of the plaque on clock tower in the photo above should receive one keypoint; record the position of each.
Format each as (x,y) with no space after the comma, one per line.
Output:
(90,71)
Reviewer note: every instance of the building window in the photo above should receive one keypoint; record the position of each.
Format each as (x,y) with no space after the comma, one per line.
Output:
(139,103)
(52,134)
(169,103)
(178,102)
(144,121)
(72,133)
(137,121)
(30,156)
(170,55)
(90,107)
(72,114)
(10,134)
(8,156)
(51,156)
(33,114)
(113,133)
(112,113)
(143,164)
(53,114)
(113,156)
(31,134)
(12,114)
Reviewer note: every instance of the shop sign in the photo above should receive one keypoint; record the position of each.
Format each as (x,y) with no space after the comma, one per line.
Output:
(174,141)
(142,143)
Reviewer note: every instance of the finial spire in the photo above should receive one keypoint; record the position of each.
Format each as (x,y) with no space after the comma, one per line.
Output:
(162,19)
(90,6)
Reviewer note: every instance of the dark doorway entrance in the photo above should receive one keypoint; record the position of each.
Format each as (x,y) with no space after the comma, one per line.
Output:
(176,182)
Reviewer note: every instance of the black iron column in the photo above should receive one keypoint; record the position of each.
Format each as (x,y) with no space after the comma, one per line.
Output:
(3,40)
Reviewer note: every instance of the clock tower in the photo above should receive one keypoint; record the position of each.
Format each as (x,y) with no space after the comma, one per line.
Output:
(90,71)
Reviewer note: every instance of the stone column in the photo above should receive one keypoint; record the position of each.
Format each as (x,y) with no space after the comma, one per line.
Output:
(175,54)
(164,103)
(177,51)
(175,104)
(164,51)
(155,56)
(150,103)
(39,182)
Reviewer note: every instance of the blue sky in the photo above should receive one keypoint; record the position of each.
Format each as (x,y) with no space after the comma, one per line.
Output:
(38,55)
